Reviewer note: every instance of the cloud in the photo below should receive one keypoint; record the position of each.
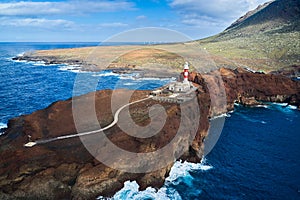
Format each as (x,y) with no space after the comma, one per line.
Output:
(69,7)
(34,22)
(141,17)
(212,12)
(113,25)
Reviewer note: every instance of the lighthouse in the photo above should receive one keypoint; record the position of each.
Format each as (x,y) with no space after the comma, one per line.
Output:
(186,72)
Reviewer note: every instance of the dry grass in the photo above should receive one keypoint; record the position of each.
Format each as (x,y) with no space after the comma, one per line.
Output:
(263,51)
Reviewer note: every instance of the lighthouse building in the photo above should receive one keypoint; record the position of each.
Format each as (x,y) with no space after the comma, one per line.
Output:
(176,92)
(185,85)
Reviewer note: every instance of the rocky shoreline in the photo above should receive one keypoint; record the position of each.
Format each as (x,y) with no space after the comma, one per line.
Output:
(47,60)
(66,170)
(85,66)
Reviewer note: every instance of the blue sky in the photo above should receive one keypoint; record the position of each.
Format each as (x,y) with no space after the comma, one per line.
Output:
(95,21)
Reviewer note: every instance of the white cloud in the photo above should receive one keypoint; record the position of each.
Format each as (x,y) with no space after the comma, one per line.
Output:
(69,7)
(141,17)
(113,25)
(201,21)
(34,22)
(212,12)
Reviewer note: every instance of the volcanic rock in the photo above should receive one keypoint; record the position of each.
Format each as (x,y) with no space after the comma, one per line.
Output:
(65,169)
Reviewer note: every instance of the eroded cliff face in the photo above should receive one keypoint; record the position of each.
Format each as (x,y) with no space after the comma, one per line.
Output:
(250,89)
(65,169)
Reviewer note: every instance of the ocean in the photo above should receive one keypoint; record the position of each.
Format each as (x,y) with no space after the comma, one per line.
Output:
(256,157)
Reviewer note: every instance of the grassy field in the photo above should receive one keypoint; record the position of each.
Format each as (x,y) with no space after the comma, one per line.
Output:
(263,51)
(263,47)
(264,39)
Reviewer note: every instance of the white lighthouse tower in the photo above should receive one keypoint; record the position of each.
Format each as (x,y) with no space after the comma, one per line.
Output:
(186,72)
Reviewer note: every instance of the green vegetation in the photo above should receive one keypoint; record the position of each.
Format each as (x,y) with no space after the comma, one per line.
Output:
(261,51)
(264,39)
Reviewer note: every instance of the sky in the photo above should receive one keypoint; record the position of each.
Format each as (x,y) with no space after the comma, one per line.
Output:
(95,21)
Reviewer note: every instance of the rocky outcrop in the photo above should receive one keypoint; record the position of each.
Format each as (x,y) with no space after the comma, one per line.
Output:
(65,169)
(48,60)
(291,71)
(248,88)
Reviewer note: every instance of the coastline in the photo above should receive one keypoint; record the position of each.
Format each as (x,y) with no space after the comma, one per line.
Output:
(241,86)
(121,59)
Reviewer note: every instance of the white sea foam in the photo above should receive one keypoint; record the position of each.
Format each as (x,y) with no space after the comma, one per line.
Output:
(237,104)
(292,107)
(129,77)
(21,54)
(39,63)
(261,106)
(71,68)
(182,169)
(179,172)
(19,61)
(2,125)
(283,107)
(281,104)
(221,116)
(131,191)
(106,74)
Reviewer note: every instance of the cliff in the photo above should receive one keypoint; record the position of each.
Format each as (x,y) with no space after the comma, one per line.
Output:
(250,89)
(64,169)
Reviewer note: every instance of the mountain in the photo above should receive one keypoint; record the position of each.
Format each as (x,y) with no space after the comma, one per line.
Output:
(265,39)
(275,16)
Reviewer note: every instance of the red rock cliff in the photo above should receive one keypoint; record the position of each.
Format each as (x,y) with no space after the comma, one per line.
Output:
(65,169)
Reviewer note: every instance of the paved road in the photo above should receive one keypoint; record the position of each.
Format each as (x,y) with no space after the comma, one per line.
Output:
(116,118)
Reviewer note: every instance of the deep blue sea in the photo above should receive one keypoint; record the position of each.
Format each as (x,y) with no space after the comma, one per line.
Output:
(256,157)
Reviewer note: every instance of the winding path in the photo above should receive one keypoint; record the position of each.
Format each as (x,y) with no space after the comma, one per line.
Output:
(116,119)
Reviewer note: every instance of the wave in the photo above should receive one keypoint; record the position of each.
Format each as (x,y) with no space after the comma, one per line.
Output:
(292,107)
(34,63)
(18,61)
(221,115)
(283,107)
(106,73)
(180,172)
(261,106)
(2,126)
(21,54)
(39,63)
(183,169)
(280,104)
(245,117)
(72,68)
(131,191)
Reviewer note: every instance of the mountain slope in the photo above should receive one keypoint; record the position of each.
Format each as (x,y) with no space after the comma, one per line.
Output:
(273,15)
(266,38)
